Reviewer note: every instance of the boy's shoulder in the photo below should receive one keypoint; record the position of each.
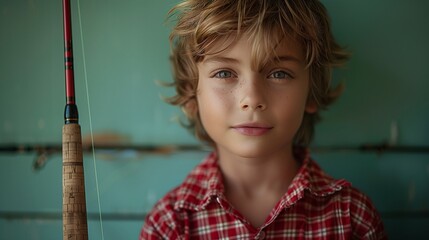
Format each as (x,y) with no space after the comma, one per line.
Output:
(194,194)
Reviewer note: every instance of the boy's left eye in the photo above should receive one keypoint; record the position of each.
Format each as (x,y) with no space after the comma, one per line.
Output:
(280,75)
(223,74)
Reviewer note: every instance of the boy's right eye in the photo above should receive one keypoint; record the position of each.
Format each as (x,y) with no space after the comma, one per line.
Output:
(223,74)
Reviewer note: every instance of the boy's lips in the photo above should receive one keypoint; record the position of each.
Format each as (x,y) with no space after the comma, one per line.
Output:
(252,129)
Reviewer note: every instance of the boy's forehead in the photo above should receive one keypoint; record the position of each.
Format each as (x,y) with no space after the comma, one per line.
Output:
(260,52)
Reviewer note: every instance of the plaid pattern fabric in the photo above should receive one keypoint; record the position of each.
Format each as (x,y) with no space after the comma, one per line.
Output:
(315,207)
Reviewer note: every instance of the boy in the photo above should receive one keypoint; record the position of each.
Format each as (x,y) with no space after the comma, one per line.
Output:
(251,76)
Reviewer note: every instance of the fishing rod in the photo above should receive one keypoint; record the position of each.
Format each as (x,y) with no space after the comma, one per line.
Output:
(75,224)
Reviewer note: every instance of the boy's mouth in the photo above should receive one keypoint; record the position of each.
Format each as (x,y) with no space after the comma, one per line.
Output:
(252,129)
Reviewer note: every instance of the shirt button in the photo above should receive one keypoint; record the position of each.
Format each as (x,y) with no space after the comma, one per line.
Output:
(260,236)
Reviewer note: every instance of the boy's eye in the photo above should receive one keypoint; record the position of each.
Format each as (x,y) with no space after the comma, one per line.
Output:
(280,75)
(223,74)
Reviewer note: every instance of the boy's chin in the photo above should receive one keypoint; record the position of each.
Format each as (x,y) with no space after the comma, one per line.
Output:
(254,152)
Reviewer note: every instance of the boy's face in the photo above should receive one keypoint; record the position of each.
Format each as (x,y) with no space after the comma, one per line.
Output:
(251,113)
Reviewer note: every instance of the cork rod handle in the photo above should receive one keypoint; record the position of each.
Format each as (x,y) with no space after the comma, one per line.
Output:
(74,205)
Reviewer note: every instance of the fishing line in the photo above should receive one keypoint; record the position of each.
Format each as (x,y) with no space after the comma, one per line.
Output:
(90,119)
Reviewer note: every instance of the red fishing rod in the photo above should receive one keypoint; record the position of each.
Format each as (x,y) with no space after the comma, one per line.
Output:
(74,206)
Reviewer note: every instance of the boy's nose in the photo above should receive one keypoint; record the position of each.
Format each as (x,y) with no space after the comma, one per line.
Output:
(259,107)
(252,97)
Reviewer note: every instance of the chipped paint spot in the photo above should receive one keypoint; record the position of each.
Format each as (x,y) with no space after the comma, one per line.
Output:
(151,197)
(41,123)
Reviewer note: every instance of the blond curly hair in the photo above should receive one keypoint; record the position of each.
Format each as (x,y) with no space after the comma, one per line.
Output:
(202,23)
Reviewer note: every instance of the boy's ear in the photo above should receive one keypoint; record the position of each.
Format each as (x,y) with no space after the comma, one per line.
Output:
(311,106)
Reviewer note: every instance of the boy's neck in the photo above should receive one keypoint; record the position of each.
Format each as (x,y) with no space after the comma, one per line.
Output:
(272,173)
(255,185)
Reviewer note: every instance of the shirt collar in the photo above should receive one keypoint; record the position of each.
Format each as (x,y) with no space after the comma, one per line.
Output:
(205,183)
(201,185)
(311,178)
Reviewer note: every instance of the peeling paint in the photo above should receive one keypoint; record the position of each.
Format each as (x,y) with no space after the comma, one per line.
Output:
(41,123)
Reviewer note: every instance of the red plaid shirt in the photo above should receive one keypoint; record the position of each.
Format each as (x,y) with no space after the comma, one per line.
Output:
(315,207)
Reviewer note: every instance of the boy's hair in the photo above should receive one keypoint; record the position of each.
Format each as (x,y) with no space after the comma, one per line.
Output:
(202,23)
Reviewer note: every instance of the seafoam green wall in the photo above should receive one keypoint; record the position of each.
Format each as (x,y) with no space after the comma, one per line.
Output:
(126,52)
